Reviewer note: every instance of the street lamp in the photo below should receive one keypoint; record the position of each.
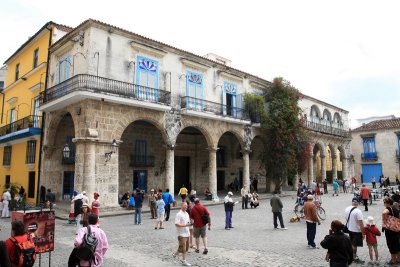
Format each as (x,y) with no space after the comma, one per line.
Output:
(66,151)
(114,149)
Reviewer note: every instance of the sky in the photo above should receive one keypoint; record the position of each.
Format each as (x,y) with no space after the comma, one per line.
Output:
(346,53)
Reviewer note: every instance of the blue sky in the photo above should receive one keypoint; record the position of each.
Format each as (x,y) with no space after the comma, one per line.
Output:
(346,53)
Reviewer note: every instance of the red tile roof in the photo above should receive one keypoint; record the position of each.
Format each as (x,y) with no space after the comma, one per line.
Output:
(379,125)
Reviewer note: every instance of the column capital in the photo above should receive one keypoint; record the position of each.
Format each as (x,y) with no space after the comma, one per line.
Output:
(245,151)
(212,149)
(169,147)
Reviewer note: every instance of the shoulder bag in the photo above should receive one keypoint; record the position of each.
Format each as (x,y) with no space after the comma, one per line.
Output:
(345,228)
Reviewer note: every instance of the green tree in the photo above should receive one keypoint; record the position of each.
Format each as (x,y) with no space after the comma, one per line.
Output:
(286,142)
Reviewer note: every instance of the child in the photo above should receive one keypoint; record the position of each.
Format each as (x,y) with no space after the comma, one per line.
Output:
(370,232)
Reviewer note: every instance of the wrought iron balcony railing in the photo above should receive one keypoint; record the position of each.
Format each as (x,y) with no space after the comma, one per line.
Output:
(369,156)
(95,84)
(30,121)
(328,129)
(212,107)
(141,160)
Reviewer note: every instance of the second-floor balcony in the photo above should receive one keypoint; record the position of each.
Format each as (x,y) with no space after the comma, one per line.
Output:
(369,156)
(201,105)
(327,129)
(29,125)
(105,86)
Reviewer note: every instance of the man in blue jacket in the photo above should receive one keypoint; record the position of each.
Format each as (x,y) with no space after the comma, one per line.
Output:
(168,200)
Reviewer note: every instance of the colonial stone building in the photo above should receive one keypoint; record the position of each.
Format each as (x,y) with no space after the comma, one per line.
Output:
(330,147)
(124,111)
(375,146)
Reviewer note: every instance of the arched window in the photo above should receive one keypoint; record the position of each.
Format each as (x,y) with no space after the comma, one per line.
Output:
(326,119)
(314,114)
(337,123)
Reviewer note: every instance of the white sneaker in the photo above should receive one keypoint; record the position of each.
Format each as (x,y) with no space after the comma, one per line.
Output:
(284,228)
(185,263)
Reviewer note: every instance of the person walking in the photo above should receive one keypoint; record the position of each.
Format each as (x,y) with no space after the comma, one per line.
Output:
(364,194)
(335,187)
(95,204)
(255,183)
(6,201)
(18,236)
(200,218)
(168,200)
(310,212)
(101,248)
(355,224)
(78,211)
(371,232)
(152,198)
(85,198)
(182,223)
(392,237)
(276,205)
(340,252)
(183,192)
(138,206)
(373,181)
(160,204)
(325,183)
(244,192)
(228,206)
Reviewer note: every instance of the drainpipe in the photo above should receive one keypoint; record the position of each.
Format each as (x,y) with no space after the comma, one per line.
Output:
(2,107)
(43,115)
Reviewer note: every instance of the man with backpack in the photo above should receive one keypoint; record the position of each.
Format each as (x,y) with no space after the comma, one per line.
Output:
(20,246)
(90,245)
(201,218)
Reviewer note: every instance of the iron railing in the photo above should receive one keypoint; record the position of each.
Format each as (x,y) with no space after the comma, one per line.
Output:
(369,156)
(141,160)
(31,121)
(95,84)
(328,129)
(212,107)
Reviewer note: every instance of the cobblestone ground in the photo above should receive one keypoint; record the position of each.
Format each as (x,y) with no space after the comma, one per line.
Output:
(252,242)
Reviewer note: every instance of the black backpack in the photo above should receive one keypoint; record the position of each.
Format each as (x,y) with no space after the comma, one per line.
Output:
(86,251)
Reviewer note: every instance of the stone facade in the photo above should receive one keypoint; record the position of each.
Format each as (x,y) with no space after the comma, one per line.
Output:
(177,117)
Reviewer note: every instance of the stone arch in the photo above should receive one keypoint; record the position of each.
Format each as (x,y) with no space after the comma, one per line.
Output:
(337,120)
(238,136)
(132,117)
(343,154)
(321,147)
(211,142)
(315,113)
(327,115)
(54,121)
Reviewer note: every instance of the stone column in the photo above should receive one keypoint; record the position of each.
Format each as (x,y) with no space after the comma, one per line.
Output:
(334,167)
(89,169)
(212,172)
(169,169)
(310,169)
(323,168)
(246,169)
(345,168)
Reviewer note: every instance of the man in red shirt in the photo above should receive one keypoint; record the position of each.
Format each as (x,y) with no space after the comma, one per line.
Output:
(199,226)
(364,194)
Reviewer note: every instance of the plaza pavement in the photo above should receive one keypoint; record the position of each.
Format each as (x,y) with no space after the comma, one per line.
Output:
(253,241)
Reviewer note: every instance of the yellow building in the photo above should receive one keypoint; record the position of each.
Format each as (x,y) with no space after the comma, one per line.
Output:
(21,121)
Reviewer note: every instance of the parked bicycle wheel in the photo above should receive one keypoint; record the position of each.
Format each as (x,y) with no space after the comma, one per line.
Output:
(299,210)
(321,213)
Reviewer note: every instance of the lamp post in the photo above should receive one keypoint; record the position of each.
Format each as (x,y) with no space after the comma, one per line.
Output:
(66,151)
(114,149)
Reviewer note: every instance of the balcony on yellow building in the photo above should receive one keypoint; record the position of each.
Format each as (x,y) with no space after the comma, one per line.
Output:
(27,126)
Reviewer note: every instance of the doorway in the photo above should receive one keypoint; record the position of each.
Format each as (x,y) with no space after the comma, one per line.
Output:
(182,173)
(220,180)
(140,180)
(229,104)
(68,184)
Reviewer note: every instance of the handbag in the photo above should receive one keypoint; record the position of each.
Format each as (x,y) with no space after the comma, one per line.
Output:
(345,228)
(391,223)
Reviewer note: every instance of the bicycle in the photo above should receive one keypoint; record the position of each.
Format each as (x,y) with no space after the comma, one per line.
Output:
(299,209)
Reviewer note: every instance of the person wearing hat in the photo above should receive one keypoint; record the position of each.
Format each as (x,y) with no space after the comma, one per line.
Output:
(228,205)
(78,210)
(355,224)
(340,252)
(95,204)
(310,213)
(84,216)
(85,199)
(152,197)
(371,232)
(276,205)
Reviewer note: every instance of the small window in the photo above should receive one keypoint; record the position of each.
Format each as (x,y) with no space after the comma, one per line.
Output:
(31,184)
(17,72)
(1,84)
(141,151)
(8,181)
(7,156)
(35,57)
(30,152)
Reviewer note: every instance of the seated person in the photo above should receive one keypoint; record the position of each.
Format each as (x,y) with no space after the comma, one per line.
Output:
(208,194)
(254,200)
(125,200)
